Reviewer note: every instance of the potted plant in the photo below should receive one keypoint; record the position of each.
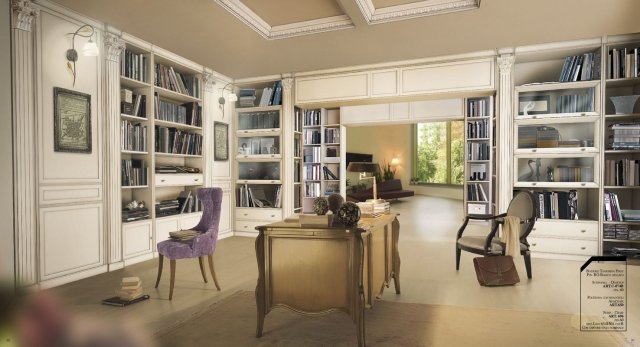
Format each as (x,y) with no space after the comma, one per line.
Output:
(388,173)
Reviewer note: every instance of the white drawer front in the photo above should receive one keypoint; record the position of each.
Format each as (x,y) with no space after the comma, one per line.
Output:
(265,214)
(164,226)
(563,246)
(190,220)
(248,225)
(565,229)
(167,180)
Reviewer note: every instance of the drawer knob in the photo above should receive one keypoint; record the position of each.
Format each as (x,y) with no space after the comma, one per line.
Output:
(533,229)
(246,156)
(583,149)
(196,179)
(583,184)
(273,215)
(273,181)
(583,231)
(583,248)
(533,184)
(583,114)
(161,180)
(533,244)
(534,117)
(246,214)
(246,131)
(534,150)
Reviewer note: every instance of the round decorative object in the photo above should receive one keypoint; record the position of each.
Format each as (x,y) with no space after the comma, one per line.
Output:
(335,201)
(349,214)
(320,206)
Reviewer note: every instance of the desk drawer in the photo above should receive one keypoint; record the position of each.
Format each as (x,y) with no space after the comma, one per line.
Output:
(248,226)
(563,246)
(266,214)
(565,229)
(168,180)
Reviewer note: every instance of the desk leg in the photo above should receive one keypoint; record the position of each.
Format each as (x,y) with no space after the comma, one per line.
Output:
(396,255)
(260,287)
(358,316)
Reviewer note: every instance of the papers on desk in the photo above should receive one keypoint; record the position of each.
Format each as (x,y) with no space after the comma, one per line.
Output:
(373,209)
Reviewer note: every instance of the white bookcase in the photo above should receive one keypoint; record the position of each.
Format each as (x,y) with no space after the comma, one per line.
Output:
(479,155)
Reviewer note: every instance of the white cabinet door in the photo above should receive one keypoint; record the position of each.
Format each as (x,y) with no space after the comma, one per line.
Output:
(364,114)
(136,237)
(190,220)
(333,87)
(164,226)
(225,213)
(436,109)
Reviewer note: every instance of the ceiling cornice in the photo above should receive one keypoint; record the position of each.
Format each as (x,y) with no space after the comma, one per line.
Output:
(375,15)
(255,22)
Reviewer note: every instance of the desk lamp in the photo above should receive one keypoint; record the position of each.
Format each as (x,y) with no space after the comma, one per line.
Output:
(363,168)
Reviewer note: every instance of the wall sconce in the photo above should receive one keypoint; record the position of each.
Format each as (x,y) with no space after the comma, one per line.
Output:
(231,97)
(395,161)
(90,48)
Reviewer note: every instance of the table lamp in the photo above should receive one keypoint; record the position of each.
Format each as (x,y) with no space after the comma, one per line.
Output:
(363,168)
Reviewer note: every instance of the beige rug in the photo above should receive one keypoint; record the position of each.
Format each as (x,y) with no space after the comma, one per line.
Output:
(232,322)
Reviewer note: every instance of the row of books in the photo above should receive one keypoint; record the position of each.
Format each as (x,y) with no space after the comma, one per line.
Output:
(133,172)
(133,104)
(332,135)
(167,207)
(573,103)
(584,67)
(272,96)
(314,172)
(564,173)
(478,129)
(189,203)
(620,232)
(167,78)
(133,137)
(132,215)
(478,151)
(312,117)
(623,63)
(256,196)
(311,137)
(258,145)
(478,108)
(259,120)
(175,141)
(312,189)
(557,204)
(247,97)
(134,65)
(623,172)
(297,147)
(475,192)
(478,172)
(312,154)
(189,113)
(614,213)
(624,136)
(171,169)
(538,137)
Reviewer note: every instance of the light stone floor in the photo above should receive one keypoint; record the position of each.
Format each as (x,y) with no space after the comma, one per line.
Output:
(427,249)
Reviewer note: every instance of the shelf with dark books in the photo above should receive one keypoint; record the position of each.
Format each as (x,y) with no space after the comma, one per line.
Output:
(134,65)
(582,67)
(621,206)
(623,62)
(169,140)
(259,196)
(134,173)
(168,78)
(133,137)
(186,114)
(133,104)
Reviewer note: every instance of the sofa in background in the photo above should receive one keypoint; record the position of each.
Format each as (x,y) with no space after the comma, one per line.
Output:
(391,189)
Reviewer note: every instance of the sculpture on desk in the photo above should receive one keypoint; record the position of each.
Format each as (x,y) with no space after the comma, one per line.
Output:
(533,173)
(349,214)
(320,206)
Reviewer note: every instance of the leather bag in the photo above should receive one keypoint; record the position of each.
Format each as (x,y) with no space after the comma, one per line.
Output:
(496,271)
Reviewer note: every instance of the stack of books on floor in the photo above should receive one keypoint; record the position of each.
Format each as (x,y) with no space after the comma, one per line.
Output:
(183,235)
(130,292)
(131,215)
(371,209)
(167,208)
(624,136)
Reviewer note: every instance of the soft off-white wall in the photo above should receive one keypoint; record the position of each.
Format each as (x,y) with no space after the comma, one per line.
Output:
(6,156)
(387,141)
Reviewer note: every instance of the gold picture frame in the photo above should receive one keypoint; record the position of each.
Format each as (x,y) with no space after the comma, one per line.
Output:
(71,121)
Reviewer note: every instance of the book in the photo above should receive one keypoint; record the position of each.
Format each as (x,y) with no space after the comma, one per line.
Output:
(130,281)
(129,294)
(116,301)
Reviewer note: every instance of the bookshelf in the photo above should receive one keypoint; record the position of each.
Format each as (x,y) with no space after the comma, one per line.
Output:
(161,128)
(621,142)
(260,148)
(323,151)
(479,156)
(557,146)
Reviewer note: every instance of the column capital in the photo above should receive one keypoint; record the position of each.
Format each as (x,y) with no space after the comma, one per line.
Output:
(24,12)
(113,45)
(208,81)
(505,63)
(287,83)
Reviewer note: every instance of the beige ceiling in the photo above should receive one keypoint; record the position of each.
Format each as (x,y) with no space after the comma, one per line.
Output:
(279,12)
(204,32)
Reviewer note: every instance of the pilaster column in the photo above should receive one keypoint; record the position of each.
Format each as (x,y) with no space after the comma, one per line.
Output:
(24,142)
(505,132)
(286,149)
(113,46)
(209,108)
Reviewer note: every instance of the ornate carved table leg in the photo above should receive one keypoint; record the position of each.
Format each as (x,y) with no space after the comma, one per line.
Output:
(396,254)
(260,289)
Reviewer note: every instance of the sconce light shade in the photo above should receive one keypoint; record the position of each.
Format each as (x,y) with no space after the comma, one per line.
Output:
(395,161)
(231,97)
(90,49)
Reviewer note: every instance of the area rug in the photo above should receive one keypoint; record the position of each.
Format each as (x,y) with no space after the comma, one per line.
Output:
(232,322)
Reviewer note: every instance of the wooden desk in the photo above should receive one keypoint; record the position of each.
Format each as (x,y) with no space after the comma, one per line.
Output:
(317,270)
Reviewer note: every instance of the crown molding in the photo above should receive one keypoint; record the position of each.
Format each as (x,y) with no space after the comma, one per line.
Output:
(255,22)
(423,8)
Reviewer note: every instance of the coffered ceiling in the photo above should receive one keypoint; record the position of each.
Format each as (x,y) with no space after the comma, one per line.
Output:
(248,38)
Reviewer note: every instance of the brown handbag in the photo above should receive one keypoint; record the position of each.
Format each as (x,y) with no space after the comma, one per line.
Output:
(496,270)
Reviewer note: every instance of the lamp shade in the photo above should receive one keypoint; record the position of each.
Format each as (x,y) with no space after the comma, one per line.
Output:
(395,161)
(363,167)
(90,49)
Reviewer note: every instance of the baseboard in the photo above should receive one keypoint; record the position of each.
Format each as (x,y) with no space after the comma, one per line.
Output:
(138,259)
(116,266)
(73,277)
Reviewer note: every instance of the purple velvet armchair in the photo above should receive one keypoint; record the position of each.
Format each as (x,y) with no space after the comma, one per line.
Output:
(200,246)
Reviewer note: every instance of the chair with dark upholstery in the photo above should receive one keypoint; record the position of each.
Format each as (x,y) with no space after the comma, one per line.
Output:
(524,206)
(200,246)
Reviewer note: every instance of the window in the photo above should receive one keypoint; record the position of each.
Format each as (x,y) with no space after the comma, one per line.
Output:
(439,152)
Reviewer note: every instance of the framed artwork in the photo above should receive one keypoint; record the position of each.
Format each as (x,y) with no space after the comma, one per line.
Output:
(534,104)
(221,141)
(71,121)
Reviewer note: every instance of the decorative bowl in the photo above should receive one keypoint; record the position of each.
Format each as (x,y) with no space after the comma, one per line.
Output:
(624,104)
(320,206)
(349,214)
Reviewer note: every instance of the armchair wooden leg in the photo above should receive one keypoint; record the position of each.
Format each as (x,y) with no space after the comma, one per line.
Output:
(161,261)
(204,274)
(527,263)
(213,272)
(458,251)
(172,281)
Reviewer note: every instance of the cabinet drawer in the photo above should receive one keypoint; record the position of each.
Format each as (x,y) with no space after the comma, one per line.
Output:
(248,225)
(164,226)
(565,229)
(167,180)
(563,246)
(265,214)
(136,238)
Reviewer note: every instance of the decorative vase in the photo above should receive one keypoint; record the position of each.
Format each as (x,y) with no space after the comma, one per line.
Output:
(320,206)
(349,214)
(335,201)
(624,104)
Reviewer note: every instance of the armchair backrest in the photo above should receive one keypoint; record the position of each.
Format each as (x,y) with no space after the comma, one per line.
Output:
(525,207)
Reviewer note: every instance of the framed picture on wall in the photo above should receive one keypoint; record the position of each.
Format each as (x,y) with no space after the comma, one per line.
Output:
(71,121)
(221,141)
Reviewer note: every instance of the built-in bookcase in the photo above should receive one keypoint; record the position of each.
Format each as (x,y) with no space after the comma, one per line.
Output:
(323,153)
(479,156)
